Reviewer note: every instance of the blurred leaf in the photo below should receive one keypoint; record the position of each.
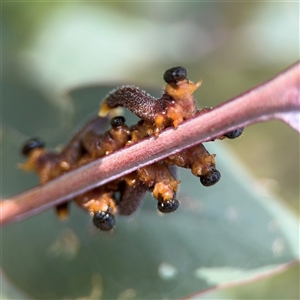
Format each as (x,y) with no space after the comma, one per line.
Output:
(273,286)
(28,112)
(233,229)
(8,291)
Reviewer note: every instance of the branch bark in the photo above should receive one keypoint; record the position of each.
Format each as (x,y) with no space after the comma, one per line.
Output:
(278,98)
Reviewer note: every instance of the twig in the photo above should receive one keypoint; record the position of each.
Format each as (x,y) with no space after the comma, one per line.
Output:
(276,99)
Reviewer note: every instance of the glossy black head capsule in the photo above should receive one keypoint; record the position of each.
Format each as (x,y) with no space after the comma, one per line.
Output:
(234,133)
(175,74)
(210,178)
(117,121)
(103,220)
(168,206)
(32,144)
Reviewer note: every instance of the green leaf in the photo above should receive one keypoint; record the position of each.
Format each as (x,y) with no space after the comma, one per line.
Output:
(281,283)
(9,291)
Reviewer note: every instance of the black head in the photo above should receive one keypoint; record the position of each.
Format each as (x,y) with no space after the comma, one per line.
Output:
(117,121)
(32,144)
(104,221)
(175,74)
(210,178)
(234,133)
(167,206)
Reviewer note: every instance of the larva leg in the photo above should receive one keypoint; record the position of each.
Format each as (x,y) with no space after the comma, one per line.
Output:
(45,163)
(74,150)
(201,163)
(98,145)
(232,134)
(160,180)
(132,193)
(101,205)
(62,211)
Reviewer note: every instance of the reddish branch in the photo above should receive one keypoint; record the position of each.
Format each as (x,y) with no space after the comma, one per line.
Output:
(276,99)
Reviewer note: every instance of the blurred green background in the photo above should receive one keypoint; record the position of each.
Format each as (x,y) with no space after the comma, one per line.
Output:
(49,48)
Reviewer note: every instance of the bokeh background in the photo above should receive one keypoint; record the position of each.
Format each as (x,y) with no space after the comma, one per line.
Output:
(50,48)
